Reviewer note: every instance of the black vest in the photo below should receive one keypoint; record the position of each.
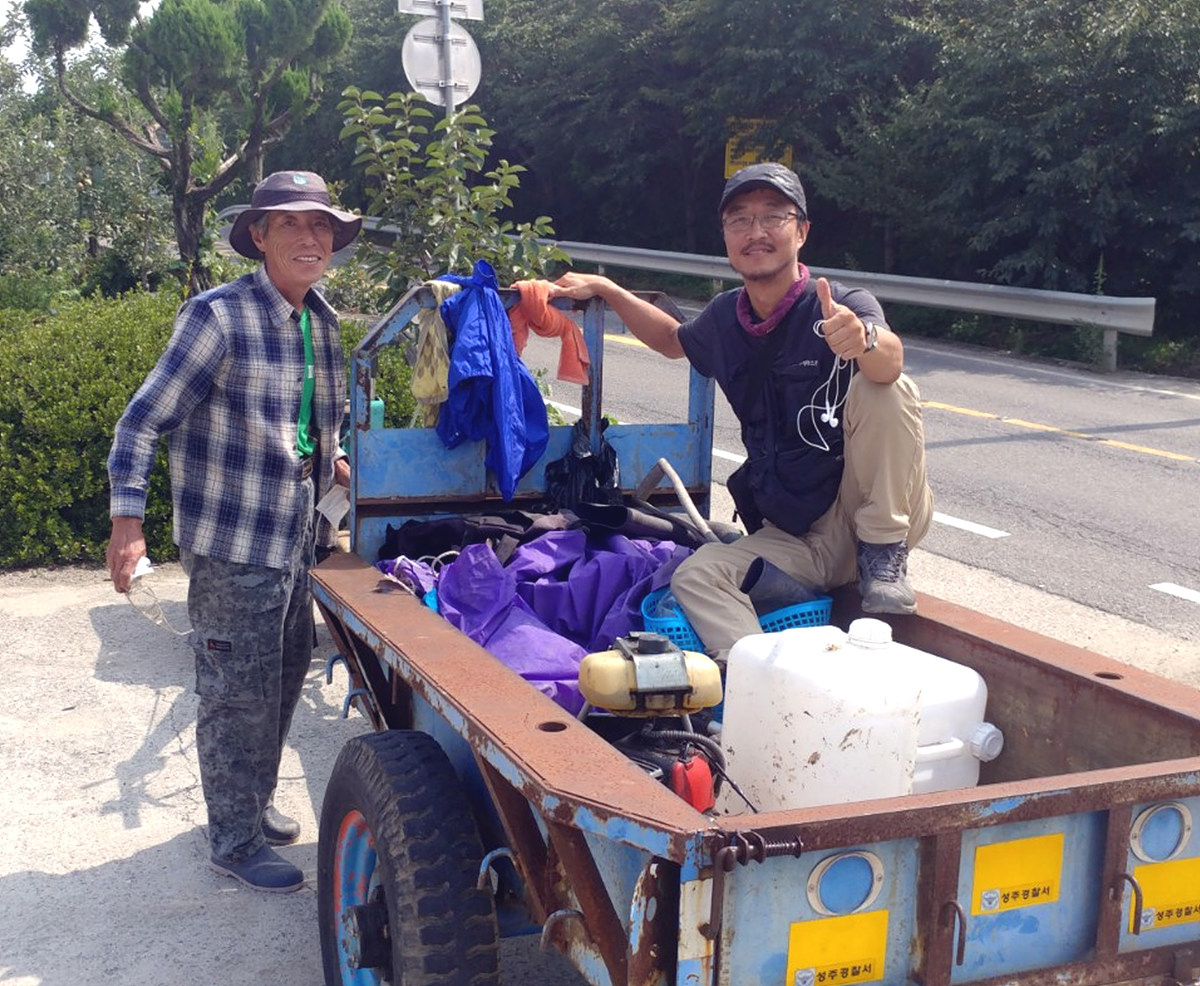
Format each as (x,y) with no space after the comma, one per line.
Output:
(794,458)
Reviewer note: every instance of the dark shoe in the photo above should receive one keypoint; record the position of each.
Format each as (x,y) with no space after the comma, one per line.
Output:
(278,829)
(266,870)
(883,578)
(771,589)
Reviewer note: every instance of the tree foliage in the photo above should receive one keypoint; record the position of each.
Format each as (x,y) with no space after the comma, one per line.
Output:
(431,186)
(100,218)
(219,81)
(1065,138)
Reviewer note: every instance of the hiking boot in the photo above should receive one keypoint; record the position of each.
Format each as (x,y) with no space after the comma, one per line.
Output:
(278,829)
(266,870)
(883,578)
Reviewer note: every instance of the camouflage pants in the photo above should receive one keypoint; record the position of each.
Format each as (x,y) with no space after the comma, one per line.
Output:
(253,637)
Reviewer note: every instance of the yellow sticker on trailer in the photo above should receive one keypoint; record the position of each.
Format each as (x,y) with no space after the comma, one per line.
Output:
(1170,893)
(837,951)
(1020,873)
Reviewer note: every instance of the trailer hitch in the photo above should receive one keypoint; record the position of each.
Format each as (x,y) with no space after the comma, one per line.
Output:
(487,867)
(551,920)
(1138,906)
(353,693)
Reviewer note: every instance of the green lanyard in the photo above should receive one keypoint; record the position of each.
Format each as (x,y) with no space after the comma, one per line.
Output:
(304,442)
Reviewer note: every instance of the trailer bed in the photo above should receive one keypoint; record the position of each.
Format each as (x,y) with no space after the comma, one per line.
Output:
(1090,744)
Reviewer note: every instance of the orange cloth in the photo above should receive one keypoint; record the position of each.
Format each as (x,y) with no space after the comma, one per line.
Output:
(534,311)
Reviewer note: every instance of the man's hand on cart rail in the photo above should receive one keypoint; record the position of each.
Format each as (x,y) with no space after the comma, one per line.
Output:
(580,287)
(125,547)
(651,325)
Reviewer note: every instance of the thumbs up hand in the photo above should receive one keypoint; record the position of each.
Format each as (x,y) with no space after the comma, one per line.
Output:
(843,330)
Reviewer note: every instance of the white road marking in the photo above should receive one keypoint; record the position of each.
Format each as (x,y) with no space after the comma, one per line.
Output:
(1191,595)
(967,525)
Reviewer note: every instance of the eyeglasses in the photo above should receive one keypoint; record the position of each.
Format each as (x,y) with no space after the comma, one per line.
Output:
(771,222)
(142,597)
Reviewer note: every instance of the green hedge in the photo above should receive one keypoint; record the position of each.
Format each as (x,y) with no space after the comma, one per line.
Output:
(65,378)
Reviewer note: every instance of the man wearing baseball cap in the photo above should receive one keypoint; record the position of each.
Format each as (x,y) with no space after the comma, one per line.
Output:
(250,393)
(834,484)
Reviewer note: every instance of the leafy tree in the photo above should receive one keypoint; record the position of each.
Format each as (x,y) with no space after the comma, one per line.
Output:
(99,214)
(817,80)
(431,187)
(221,81)
(1056,146)
(599,98)
(371,62)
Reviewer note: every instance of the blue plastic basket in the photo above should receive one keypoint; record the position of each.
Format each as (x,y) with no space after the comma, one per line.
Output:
(676,628)
(811,614)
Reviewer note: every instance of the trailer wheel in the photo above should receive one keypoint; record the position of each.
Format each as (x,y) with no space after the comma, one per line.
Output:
(397,861)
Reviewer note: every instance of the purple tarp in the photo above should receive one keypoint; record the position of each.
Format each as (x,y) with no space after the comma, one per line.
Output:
(562,595)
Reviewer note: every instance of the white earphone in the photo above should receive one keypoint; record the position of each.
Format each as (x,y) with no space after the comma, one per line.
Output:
(831,399)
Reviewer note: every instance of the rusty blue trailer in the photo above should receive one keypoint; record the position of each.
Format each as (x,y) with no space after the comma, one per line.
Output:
(479,808)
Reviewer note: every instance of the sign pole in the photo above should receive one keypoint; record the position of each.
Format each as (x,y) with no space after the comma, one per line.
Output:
(447,56)
(428,52)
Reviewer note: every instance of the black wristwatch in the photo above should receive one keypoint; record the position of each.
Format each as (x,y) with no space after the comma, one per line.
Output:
(872,336)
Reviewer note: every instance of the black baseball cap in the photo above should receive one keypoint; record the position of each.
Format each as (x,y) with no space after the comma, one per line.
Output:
(768,174)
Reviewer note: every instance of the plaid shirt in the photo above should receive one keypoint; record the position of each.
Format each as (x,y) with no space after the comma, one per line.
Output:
(227,393)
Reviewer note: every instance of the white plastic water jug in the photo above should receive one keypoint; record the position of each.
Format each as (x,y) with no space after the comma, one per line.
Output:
(817,716)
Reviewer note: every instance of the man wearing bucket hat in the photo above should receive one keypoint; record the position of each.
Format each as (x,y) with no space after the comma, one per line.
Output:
(250,391)
(834,484)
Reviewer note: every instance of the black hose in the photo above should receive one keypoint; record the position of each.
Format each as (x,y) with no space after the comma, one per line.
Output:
(710,745)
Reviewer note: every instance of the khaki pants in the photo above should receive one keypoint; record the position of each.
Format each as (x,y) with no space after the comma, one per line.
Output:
(883,498)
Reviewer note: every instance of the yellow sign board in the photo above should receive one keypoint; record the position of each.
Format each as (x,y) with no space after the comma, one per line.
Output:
(837,951)
(1170,893)
(1020,873)
(740,153)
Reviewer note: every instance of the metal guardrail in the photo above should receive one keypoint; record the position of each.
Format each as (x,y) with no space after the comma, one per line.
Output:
(1132,316)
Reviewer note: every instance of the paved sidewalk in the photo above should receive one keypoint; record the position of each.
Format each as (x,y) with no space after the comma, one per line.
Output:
(102,849)
(102,844)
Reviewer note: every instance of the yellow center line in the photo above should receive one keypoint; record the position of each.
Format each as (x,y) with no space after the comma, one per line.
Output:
(628,340)
(969,412)
(1178,457)
(1034,426)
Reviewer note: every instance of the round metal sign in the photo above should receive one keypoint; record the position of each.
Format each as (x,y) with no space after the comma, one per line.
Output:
(421,56)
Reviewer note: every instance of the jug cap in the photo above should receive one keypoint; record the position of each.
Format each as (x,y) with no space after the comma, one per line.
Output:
(866,632)
(986,742)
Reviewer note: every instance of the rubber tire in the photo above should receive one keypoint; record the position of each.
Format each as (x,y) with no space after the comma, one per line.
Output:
(428,854)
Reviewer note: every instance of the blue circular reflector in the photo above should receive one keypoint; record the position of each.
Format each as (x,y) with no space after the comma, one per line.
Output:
(1163,833)
(846,885)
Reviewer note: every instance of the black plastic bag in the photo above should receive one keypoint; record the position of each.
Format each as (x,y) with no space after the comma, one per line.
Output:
(582,477)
